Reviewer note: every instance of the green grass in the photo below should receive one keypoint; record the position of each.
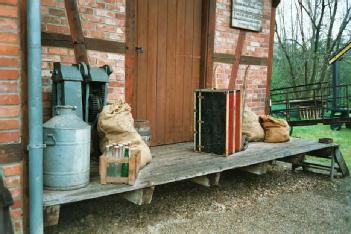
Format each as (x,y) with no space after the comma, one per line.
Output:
(342,137)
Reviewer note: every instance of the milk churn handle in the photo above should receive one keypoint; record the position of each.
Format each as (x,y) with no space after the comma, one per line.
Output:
(52,138)
(65,107)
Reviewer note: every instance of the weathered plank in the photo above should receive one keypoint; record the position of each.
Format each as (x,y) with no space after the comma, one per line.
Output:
(170,165)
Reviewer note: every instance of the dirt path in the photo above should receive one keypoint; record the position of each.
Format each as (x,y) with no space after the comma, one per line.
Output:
(278,202)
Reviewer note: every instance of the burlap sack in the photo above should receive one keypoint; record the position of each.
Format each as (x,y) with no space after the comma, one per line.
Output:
(276,130)
(116,125)
(251,126)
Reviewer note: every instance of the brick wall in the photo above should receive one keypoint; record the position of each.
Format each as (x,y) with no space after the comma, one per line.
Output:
(12,173)
(256,44)
(102,19)
(10,102)
(10,123)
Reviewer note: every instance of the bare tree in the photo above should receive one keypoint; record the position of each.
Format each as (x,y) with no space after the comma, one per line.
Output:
(307,33)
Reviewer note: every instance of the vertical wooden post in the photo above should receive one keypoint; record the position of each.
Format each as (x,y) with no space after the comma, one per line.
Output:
(24,111)
(130,56)
(270,58)
(208,36)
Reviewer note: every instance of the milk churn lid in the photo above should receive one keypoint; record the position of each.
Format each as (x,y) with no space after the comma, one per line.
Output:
(66,119)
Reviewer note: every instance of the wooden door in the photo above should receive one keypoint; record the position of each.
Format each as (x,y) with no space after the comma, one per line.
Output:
(168,69)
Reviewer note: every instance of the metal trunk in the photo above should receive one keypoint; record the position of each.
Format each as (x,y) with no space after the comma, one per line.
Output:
(67,152)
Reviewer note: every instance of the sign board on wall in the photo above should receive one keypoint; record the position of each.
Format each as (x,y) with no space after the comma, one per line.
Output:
(247,14)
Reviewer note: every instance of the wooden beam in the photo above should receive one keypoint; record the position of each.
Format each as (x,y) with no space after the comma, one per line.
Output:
(245,60)
(235,66)
(105,46)
(77,35)
(207,180)
(131,57)
(56,40)
(270,59)
(208,38)
(140,196)
(21,152)
(65,41)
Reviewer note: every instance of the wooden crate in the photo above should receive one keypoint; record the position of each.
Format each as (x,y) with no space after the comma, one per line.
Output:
(133,162)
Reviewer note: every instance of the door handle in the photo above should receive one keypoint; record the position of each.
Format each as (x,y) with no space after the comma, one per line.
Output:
(139,50)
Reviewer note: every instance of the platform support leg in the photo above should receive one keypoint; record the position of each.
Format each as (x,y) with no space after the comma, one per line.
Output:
(257,169)
(51,215)
(207,180)
(140,196)
(332,165)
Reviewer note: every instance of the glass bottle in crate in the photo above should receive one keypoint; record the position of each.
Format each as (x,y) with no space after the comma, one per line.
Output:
(118,154)
(125,166)
(112,169)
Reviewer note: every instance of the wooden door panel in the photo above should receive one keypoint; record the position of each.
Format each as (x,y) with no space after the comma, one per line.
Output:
(161,74)
(188,111)
(169,69)
(151,106)
(170,74)
(141,105)
(180,62)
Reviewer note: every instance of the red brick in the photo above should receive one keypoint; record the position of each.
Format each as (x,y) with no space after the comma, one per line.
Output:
(6,49)
(18,226)
(51,19)
(57,12)
(16,192)
(14,169)
(9,99)
(95,34)
(9,62)
(57,28)
(106,28)
(48,2)
(8,37)
(9,124)
(8,137)
(8,87)
(17,203)
(9,2)
(16,213)
(9,111)
(13,181)
(56,50)
(86,10)
(68,59)
(8,11)
(9,74)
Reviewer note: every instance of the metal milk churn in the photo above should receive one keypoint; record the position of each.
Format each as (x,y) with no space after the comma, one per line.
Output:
(67,152)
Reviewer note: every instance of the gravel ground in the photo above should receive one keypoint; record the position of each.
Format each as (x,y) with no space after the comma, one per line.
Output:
(279,202)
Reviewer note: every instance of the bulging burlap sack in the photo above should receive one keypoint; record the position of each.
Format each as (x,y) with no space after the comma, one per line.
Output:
(116,125)
(252,127)
(276,130)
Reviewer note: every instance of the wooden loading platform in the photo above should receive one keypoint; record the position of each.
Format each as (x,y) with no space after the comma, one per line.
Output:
(178,162)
